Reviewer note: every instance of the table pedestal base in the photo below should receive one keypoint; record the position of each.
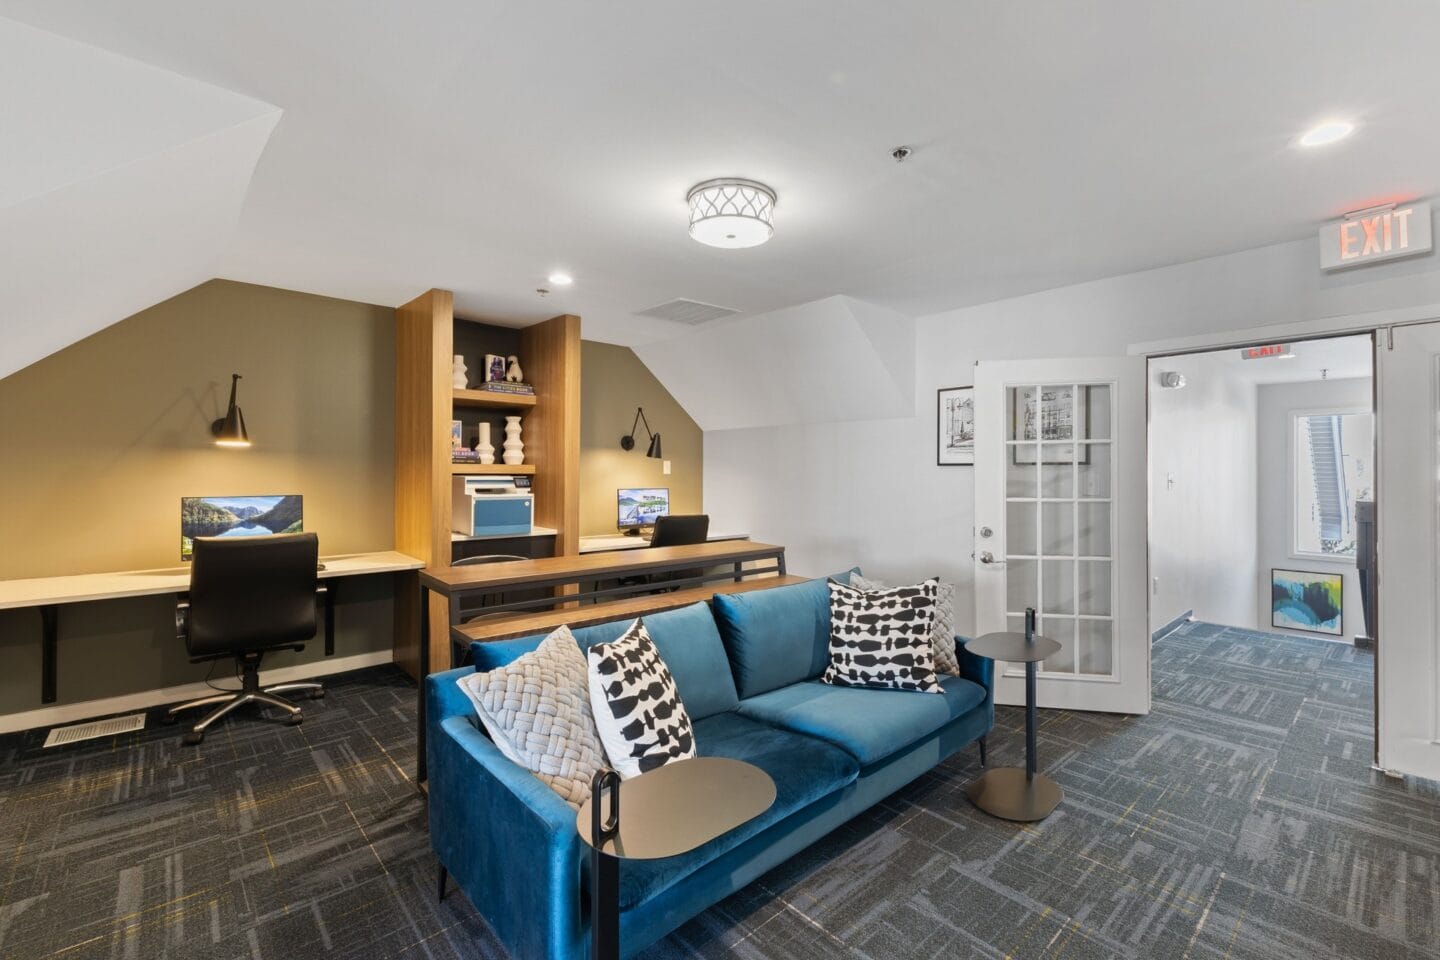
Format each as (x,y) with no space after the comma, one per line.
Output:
(1007,793)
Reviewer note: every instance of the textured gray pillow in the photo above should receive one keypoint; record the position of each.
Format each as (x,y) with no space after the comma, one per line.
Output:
(943,637)
(537,711)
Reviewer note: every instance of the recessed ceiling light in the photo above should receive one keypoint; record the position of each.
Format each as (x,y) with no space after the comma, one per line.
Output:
(1331,131)
(560,278)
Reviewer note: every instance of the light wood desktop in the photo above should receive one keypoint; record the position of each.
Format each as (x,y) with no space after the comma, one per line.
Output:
(619,541)
(49,593)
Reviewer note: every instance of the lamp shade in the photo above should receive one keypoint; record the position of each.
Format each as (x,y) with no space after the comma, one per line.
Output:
(229,430)
(731,213)
(654,452)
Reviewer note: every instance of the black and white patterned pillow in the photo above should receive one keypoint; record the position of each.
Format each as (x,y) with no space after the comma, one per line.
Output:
(638,711)
(882,638)
(942,635)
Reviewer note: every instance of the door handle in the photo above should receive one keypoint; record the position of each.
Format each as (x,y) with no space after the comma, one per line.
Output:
(987,557)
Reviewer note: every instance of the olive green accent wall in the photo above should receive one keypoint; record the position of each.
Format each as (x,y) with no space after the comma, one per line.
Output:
(613,382)
(99,442)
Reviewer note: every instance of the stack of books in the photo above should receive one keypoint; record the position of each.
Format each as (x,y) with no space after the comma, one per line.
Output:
(503,386)
(461,455)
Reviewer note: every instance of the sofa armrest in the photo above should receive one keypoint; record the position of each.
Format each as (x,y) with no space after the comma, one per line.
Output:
(507,839)
(979,670)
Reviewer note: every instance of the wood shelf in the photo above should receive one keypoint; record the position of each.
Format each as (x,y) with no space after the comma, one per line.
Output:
(482,469)
(497,401)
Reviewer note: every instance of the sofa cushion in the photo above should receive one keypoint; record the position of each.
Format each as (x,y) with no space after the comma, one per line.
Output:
(869,724)
(779,636)
(688,642)
(642,720)
(804,771)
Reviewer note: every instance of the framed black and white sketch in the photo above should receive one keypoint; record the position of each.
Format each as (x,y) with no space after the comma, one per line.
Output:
(955,422)
(1050,413)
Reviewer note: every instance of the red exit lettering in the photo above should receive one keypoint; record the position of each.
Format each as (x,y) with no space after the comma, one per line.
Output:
(1386,232)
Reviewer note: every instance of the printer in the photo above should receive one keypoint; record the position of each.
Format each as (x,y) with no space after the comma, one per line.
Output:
(492,506)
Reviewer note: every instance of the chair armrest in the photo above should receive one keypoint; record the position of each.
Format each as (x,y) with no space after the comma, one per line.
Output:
(507,839)
(979,670)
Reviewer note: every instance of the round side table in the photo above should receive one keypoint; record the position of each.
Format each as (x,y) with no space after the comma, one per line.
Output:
(1010,792)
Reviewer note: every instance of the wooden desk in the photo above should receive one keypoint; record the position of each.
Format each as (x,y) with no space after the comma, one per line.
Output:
(619,541)
(49,593)
(579,577)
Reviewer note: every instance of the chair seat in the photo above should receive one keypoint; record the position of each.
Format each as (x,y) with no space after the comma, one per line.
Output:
(868,724)
(804,771)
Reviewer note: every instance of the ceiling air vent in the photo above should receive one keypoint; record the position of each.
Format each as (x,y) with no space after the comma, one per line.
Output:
(692,312)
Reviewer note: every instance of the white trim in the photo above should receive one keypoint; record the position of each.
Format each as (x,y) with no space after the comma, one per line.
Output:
(1300,330)
(145,699)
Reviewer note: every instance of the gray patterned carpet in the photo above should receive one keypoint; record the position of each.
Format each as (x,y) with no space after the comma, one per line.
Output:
(1239,819)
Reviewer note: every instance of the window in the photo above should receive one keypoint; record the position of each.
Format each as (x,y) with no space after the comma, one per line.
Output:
(1333,469)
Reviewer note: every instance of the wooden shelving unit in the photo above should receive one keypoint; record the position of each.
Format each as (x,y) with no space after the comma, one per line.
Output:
(488,469)
(425,404)
(494,401)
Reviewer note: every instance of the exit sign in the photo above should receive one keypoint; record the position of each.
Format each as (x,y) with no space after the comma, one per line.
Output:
(1375,235)
(1267,351)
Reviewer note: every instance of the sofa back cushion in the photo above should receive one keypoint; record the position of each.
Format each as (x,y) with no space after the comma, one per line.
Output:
(688,642)
(779,636)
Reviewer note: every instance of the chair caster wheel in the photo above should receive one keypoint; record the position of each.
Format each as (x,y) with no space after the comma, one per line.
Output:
(317,694)
(194,737)
(296,719)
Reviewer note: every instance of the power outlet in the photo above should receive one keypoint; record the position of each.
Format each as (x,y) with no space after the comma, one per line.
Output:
(667,468)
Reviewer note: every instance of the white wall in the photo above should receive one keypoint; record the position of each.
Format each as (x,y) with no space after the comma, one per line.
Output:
(1203,494)
(1277,403)
(870,492)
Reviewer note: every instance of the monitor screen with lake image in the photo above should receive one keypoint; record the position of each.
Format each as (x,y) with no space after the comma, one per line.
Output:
(639,506)
(237,517)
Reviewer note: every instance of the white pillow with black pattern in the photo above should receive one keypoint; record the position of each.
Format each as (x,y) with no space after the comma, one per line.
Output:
(638,711)
(943,636)
(882,638)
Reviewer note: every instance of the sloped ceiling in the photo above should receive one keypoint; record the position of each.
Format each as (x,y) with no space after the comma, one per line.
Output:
(835,359)
(120,186)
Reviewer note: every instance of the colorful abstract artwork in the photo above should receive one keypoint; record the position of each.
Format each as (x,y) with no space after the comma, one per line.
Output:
(1307,601)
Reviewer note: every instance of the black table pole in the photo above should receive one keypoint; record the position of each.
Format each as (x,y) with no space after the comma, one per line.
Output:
(604,870)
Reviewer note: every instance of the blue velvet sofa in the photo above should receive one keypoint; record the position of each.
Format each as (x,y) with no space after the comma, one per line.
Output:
(747,669)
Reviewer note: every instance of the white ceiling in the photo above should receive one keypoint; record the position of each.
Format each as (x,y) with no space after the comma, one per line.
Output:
(478,144)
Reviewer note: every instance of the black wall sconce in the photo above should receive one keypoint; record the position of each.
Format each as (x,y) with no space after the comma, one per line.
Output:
(229,430)
(627,442)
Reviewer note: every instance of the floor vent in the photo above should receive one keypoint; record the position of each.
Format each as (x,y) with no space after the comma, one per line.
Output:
(692,312)
(95,729)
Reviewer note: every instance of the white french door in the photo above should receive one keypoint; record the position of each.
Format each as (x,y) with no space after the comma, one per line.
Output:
(1408,642)
(1060,513)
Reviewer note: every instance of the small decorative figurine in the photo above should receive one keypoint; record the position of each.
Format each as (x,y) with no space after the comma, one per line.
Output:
(513,374)
(514,447)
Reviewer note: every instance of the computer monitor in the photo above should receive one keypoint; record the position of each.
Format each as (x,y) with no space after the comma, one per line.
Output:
(238,517)
(639,506)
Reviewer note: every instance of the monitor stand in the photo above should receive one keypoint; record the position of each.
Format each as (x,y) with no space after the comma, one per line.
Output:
(632,531)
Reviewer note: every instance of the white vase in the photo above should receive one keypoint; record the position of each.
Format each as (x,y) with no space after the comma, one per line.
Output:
(459,376)
(486,451)
(514,449)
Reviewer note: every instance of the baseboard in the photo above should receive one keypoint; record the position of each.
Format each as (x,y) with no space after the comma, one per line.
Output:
(144,700)
(1172,626)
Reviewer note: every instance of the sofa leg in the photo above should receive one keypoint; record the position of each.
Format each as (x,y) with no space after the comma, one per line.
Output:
(444,875)
(981,741)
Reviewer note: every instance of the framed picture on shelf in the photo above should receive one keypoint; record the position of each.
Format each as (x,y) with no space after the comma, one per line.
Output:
(955,427)
(1051,413)
(1307,601)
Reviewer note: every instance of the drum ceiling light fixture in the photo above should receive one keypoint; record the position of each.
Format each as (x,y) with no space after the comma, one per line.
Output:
(731,213)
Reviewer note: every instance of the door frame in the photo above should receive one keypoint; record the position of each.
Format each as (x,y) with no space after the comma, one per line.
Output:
(1376,325)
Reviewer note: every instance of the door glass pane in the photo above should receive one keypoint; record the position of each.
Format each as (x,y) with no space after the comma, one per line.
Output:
(1094,647)
(1061,630)
(1095,415)
(1058,586)
(1020,479)
(1057,480)
(1023,418)
(1093,535)
(1022,585)
(1056,411)
(1021,529)
(1057,529)
(1093,471)
(1093,587)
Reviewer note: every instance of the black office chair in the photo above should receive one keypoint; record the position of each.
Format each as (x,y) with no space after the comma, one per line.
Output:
(249,595)
(679,530)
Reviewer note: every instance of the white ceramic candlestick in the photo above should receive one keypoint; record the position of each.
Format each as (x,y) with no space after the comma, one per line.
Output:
(514,449)
(486,451)
(459,375)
